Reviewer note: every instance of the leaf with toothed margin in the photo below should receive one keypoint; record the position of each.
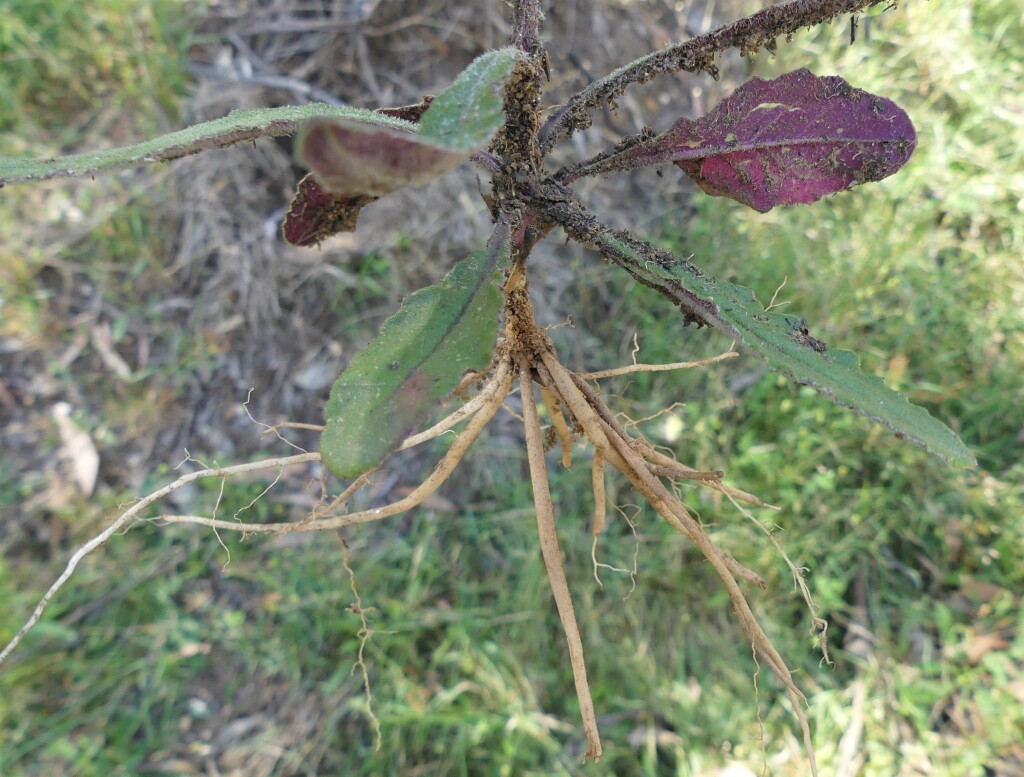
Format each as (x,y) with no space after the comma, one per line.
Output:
(784,342)
(787,141)
(418,358)
(316,214)
(236,127)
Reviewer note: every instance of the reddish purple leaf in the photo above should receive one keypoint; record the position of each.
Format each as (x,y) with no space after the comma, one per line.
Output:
(790,140)
(316,214)
(355,159)
(410,113)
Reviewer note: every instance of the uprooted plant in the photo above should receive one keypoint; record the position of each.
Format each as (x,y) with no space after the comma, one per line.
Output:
(791,140)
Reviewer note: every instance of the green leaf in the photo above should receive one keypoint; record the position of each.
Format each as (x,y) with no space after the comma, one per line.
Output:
(353,163)
(784,342)
(466,115)
(417,359)
(236,127)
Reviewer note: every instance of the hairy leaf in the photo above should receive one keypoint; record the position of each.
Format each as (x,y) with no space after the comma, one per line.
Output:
(316,214)
(353,159)
(236,127)
(784,342)
(791,140)
(466,115)
(419,356)
(411,113)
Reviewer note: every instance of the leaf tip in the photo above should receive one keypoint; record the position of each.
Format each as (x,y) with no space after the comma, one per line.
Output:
(316,214)
(789,141)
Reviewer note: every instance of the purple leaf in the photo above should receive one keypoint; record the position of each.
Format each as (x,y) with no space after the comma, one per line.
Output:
(316,214)
(787,141)
(354,159)
(410,113)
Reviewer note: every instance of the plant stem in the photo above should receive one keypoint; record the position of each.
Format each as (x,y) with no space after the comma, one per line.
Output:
(526,20)
(695,55)
(640,259)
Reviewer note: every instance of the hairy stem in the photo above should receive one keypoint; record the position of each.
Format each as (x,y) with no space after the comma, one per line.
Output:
(696,55)
(583,226)
(526,18)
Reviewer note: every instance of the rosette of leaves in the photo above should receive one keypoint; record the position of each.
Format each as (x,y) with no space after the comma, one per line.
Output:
(791,140)
(784,142)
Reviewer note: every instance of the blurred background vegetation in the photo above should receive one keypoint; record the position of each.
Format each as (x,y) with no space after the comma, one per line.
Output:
(151,301)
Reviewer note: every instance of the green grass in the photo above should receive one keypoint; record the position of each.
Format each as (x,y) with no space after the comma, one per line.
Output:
(72,77)
(161,636)
(922,276)
(60,59)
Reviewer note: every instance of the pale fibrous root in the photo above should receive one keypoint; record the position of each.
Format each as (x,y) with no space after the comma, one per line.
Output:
(324,517)
(574,406)
(643,467)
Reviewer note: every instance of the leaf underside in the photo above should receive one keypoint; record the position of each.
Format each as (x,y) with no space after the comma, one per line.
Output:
(418,358)
(784,343)
(786,141)
(411,113)
(316,214)
(355,163)
(354,159)
(236,127)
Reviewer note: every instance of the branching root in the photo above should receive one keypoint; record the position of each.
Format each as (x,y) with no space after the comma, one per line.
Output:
(643,467)
(574,407)
(553,558)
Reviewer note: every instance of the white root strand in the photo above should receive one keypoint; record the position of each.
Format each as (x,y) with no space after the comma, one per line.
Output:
(445,467)
(634,368)
(129,514)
